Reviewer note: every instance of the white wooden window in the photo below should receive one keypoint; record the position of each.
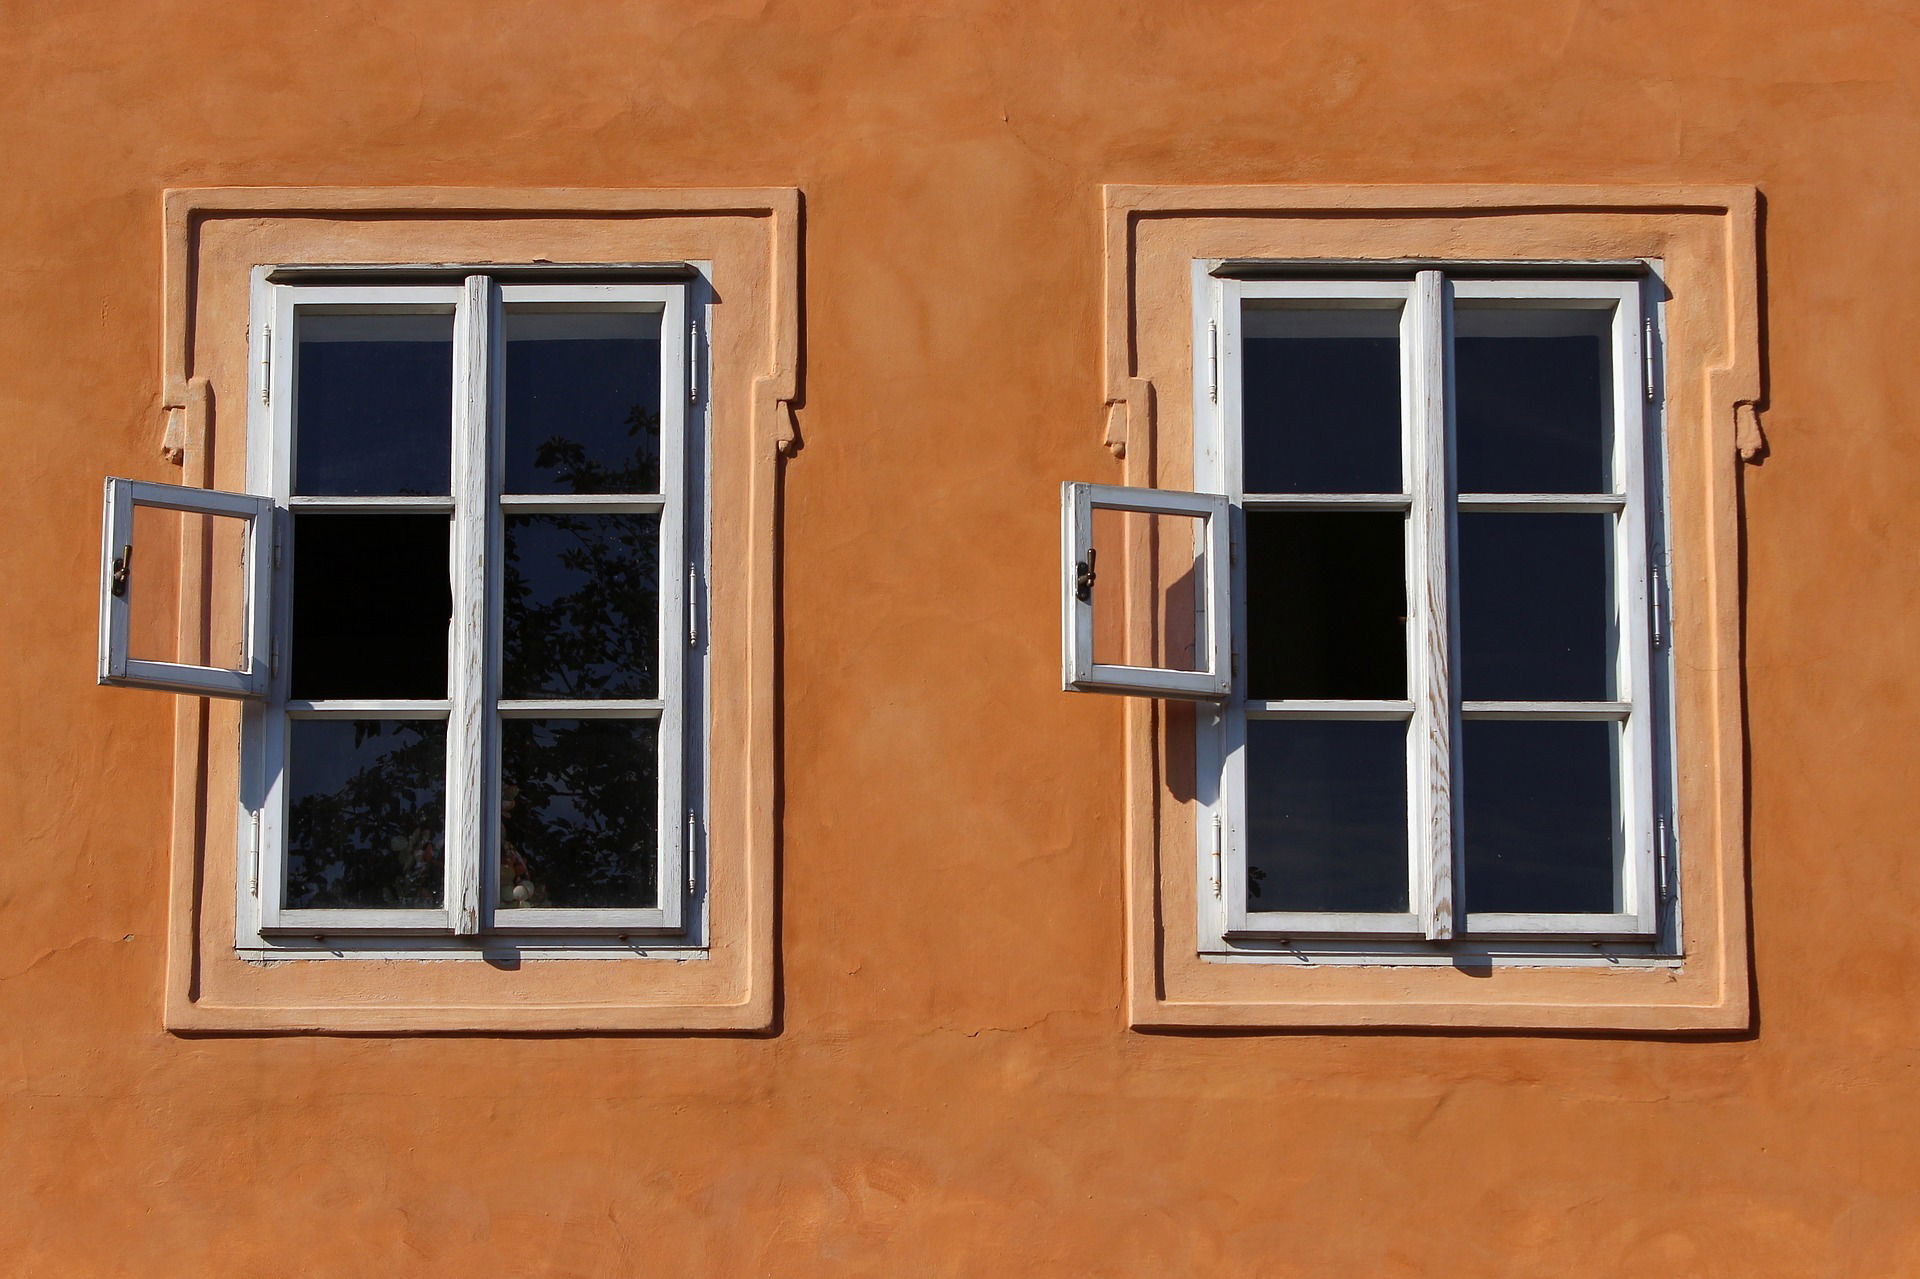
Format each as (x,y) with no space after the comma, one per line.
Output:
(481,713)
(1184,529)
(1445,729)
(121,585)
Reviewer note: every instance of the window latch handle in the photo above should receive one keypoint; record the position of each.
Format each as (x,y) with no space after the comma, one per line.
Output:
(1083,576)
(122,565)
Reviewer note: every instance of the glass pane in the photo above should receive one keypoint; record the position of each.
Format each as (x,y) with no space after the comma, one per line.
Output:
(581,606)
(365,814)
(373,412)
(1534,399)
(1321,396)
(372,601)
(218,544)
(1326,604)
(583,401)
(1175,545)
(1537,618)
(578,811)
(1326,815)
(1541,815)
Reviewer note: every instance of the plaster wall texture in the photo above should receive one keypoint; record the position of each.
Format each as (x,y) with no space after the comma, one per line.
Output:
(951,1088)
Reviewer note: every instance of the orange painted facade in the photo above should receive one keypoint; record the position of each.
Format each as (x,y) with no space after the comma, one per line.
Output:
(947,1064)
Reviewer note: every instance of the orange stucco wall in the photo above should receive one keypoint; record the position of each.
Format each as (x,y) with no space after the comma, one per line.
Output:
(951,1087)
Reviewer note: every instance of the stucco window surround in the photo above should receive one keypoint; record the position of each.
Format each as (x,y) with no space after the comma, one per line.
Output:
(720,976)
(1159,242)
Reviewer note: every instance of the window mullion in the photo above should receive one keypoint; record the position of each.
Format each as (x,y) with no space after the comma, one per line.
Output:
(467,766)
(1432,808)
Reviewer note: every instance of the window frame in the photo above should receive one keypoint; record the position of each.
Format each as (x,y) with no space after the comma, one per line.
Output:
(473,708)
(117,564)
(1437,923)
(1081,672)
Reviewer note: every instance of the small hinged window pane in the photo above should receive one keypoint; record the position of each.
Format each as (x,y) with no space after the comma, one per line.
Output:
(224,541)
(1168,552)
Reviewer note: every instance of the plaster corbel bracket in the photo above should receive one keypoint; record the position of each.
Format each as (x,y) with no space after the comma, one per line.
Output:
(1747,435)
(773,418)
(1129,415)
(187,413)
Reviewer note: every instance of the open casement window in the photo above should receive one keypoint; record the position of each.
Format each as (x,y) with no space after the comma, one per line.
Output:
(472,638)
(1446,724)
(235,527)
(1178,545)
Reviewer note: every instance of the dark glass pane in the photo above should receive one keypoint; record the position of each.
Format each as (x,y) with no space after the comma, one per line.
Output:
(1542,831)
(578,812)
(581,605)
(371,603)
(374,411)
(1326,815)
(1326,604)
(583,401)
(1536,607)
(1534,392)
(365,813)
(1321,397)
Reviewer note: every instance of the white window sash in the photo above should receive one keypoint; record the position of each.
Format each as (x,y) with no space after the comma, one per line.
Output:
(1080,577)
(1226,912)
(120,567)
(674,817)
(1638,819)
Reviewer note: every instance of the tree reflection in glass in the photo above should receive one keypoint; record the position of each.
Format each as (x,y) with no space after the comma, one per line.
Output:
(581,603)
(578,812)
(582,401)
(580,613)
(366,819)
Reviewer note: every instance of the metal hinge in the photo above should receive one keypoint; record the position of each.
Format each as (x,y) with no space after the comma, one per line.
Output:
(266,364)
(1662,859)
(1656,606)
(693,840)
(693,362)
(1218,839)
(253,843)
(693,607)
(1646,354)
(1213,361)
